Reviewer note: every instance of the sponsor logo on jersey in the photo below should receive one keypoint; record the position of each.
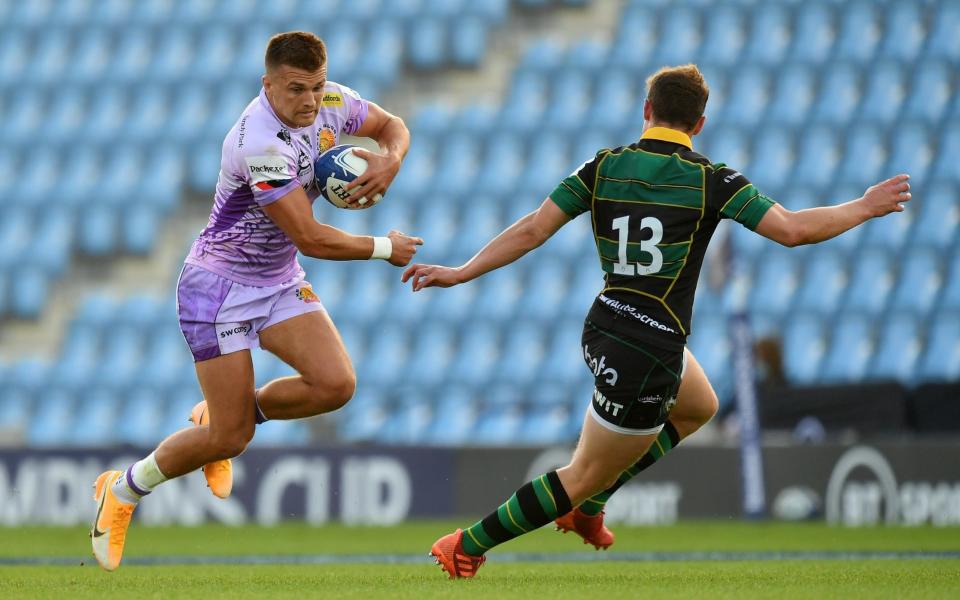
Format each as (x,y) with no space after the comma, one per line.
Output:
(625,309)
(607,406)
(238,330)
(268,172)
(600,368)
(306,294)
(284,135)
(331,99)
(326,138)
(731,177)
(243,132)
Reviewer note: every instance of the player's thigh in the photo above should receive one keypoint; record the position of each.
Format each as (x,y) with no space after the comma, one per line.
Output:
(696,399)
(227,383)
(311,344)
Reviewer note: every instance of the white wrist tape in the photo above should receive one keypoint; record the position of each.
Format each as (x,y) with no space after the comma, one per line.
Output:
(382,248)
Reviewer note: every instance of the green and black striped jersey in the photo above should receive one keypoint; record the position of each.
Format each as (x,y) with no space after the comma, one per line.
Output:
(655,204)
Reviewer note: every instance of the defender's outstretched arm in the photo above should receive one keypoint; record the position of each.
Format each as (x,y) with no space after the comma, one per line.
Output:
(523,236)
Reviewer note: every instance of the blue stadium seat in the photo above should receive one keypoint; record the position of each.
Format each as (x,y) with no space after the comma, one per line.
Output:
(636,41)
(52,419)
(523,354)
(94,418)
(942,41)
(564,359)
(941,359)
(493,11)
(454,417)
(28,297)
(14,412)
(912,151)
(839,94)
(774,284)
(859,32)
(52,241)
(870,283)
(930,92)
(457,165)
(139,414)
(898,348)
(864,157)
(98,231)
(545,426)
(589,56)
(383,54)
(681,26)
(503,163)
(544,55)
(749,93)
(710,344)
(497,426)
(724,38)
(817,157)
(51,55)
(938,220)
(569,101)
(418,170)
(770,48)
(587,283)
(549,161)
(730,146)
(120,362)
(107,115)
(215,54)
(479,223)
(950,297)
(477,354)
(945,166)
(823,284)
(814,34)
(884,96)
(14,56)
(455,305)
(613,100)
(433,350)
(24,114)
(499,296)
(166,358)
(91,56)
(905,31)
(387,358)
(891,231)
(774,158)
(468,41)
(282,433)
(804,346)
(132,55)
(792,97)
(31,14)
(851,346)
(427,44)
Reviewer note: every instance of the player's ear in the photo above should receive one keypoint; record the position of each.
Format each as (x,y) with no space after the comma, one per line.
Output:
(266,81)
(699,125)
(647,110)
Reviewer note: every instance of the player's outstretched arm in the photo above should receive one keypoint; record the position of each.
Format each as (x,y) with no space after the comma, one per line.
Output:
(293,215)
(814,225)
(523,236)
(391,133)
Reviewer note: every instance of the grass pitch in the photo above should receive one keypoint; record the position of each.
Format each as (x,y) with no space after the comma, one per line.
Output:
(509,573)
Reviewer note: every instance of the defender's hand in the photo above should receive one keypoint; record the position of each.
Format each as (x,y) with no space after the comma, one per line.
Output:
(381,170)
(404,247)
(887,196)
(425,276)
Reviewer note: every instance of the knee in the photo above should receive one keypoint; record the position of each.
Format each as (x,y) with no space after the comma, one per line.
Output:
(334,392)
(233,443)
(696,416)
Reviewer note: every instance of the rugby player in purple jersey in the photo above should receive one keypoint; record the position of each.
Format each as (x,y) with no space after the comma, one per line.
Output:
(242,287)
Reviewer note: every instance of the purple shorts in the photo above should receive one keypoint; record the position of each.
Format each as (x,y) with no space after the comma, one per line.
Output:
(219,316)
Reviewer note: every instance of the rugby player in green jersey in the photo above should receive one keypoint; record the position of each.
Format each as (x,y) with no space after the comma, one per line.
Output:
(653,205)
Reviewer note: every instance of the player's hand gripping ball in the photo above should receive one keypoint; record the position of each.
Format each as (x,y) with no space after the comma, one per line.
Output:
(334,169)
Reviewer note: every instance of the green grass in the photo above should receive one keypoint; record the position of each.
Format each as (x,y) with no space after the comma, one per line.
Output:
(550,581)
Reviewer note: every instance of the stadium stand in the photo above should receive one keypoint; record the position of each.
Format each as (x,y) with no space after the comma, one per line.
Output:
(814,101)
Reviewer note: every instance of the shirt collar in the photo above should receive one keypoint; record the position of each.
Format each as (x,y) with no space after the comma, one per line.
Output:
(665,134)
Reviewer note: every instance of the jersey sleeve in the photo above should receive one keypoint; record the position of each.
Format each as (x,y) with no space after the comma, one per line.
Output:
(734,197)
(349,103)
(574,195)
(267,167)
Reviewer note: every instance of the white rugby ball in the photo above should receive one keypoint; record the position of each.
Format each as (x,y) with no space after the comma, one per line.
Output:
(334,169)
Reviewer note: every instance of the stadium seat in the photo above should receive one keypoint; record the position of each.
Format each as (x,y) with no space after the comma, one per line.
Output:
(839,94)
(554,161)
(433,350)
(499,296)
(823,284)
(454,417)
(564,359)
(870,283)
(864,157)
(427,44)
(930,93)
(817,157)
(29,295)
(773,19)
(945,167)
(382,58)
(885,94)
(710,344)
(942,41)
(14,413)
(91,57)
(503,163)
(911,152)
(774,284)
(905,31)
(682,27)
(724,38)
(458,163)
(919,281)
(804,346)
(773,158)
(498,426)
(749,93)
(814,35)
(614,99)
(897,349)
(132,54)
(859,32)
(94,418)
(792,97)
(477,354)
(523,353)
(637,38)
(52,419)
(941,358)
(14,56)
(139,413)
(890,232)
(950,297)
(569,101)
(216,53)
(851,345)
(468,41)
(938,218)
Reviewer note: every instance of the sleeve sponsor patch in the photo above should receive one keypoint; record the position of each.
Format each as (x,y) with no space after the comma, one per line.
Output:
(332,99)
(267,169)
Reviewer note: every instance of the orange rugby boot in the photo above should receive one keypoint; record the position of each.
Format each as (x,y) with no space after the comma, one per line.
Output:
(590,528)
(110,525)
(219,474)
(448,553)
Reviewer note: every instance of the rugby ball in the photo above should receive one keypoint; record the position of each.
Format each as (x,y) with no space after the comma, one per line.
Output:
(334,169)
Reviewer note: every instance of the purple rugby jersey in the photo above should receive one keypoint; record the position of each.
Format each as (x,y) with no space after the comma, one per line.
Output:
(262,161)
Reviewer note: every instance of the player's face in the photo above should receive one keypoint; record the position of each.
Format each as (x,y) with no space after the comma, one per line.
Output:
(296,94)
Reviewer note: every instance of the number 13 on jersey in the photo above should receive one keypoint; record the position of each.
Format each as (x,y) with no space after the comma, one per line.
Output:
(622,226)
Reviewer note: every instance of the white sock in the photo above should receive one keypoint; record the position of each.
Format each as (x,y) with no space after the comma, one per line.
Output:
(139,480)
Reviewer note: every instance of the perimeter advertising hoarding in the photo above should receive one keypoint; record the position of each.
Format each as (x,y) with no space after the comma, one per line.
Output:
(907,484)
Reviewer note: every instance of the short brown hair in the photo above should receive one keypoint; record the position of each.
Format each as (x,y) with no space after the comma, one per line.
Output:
(298,49)
(678,95)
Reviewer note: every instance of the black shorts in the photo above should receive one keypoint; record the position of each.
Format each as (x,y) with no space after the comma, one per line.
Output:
(636,383)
